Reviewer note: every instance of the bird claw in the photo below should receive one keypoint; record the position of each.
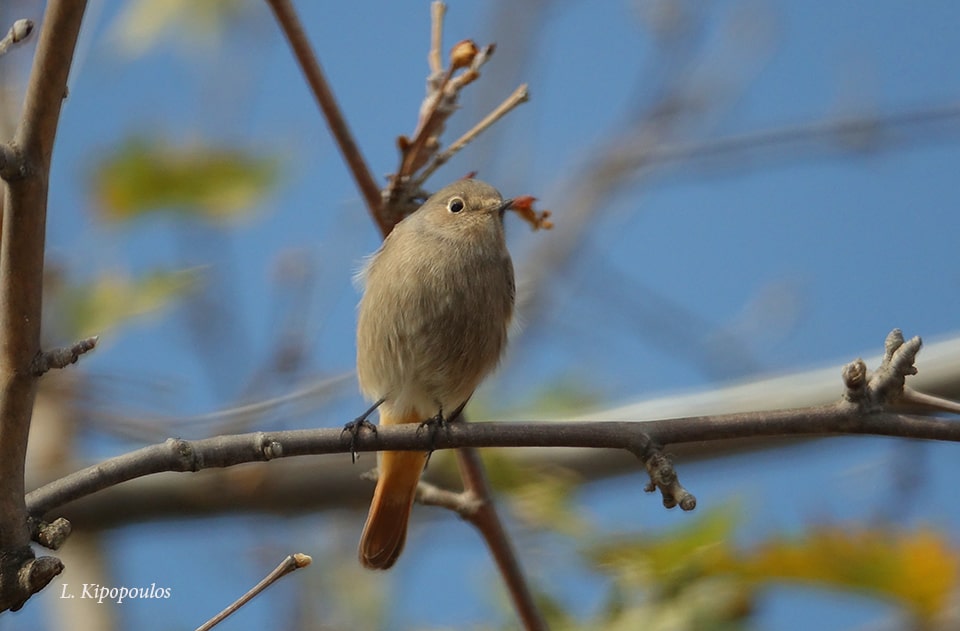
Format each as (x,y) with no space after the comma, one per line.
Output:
(356,426)
(434,424)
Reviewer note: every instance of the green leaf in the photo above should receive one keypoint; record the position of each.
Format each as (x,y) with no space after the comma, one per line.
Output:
(674,557)
(112,299)
(212,182)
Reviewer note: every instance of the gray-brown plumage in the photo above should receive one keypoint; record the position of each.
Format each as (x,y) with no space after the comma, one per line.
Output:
(432,324)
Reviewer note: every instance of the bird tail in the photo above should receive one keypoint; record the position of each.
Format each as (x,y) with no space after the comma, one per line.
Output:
(386,529)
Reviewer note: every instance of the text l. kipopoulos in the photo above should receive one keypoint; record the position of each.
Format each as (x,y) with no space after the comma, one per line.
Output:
(102,593)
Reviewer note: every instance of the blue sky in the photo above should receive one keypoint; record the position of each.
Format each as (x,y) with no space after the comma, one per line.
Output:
(804,256)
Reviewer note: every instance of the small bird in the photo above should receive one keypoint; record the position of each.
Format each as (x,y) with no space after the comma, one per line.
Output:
(437,303)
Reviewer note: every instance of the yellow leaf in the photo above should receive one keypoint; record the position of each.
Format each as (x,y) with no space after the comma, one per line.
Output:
(918,569)
(215,183)
(142,24)
(675,556)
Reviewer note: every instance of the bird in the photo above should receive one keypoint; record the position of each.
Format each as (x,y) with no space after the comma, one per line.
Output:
(438,299)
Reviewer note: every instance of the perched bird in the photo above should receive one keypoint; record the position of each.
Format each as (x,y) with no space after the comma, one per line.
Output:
(437,303)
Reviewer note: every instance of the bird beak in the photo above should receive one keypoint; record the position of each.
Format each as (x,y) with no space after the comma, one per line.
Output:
(504,205)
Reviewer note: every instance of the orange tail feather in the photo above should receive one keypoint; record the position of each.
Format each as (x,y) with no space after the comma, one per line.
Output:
(386,529)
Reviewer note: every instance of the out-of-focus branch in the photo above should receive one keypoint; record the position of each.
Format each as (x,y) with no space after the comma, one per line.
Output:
(21,282)
(863,133)
(633,153)
(486,520)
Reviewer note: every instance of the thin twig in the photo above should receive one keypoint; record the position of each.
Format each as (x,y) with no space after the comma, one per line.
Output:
(929,402)
(520,95)
(62,357)
(290,24)
(21,282)
(290,564)
(437,12)
(19,32)
(463,503)
(867,131)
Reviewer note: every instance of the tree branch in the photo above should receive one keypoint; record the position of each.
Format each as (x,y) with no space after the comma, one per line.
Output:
(398,200)
(21,283)
(290,564)
(642,438)
(484,517)
(62,357)
(290,24)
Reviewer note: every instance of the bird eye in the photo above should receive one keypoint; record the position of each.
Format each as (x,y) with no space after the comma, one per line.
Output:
(455,205)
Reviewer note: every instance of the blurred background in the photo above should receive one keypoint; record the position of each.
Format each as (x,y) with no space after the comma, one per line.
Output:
(741,189)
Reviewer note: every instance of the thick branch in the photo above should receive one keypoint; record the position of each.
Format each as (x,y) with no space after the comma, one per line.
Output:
(21,282)
(636,437)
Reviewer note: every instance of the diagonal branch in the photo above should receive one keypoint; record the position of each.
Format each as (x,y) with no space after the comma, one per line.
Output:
(21,282)
(396,202)
(290,564)
(310,65)
(488,522)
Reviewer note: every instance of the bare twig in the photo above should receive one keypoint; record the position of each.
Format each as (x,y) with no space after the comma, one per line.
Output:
(437,12)
(50,535)
(520,95)
(62,357)
(291,563)
(927,402)
(463,503)
(19,32)
(310,65)
(21,282)
(404,188)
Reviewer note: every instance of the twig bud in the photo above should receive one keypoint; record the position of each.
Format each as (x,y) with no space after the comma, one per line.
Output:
(462,54)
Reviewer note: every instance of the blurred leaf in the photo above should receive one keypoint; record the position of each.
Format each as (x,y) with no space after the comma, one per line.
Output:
(216,183)
(540,496)
(561,397)
(142,24)
(918,569)
(111,299)
(665,581)
(669,559)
